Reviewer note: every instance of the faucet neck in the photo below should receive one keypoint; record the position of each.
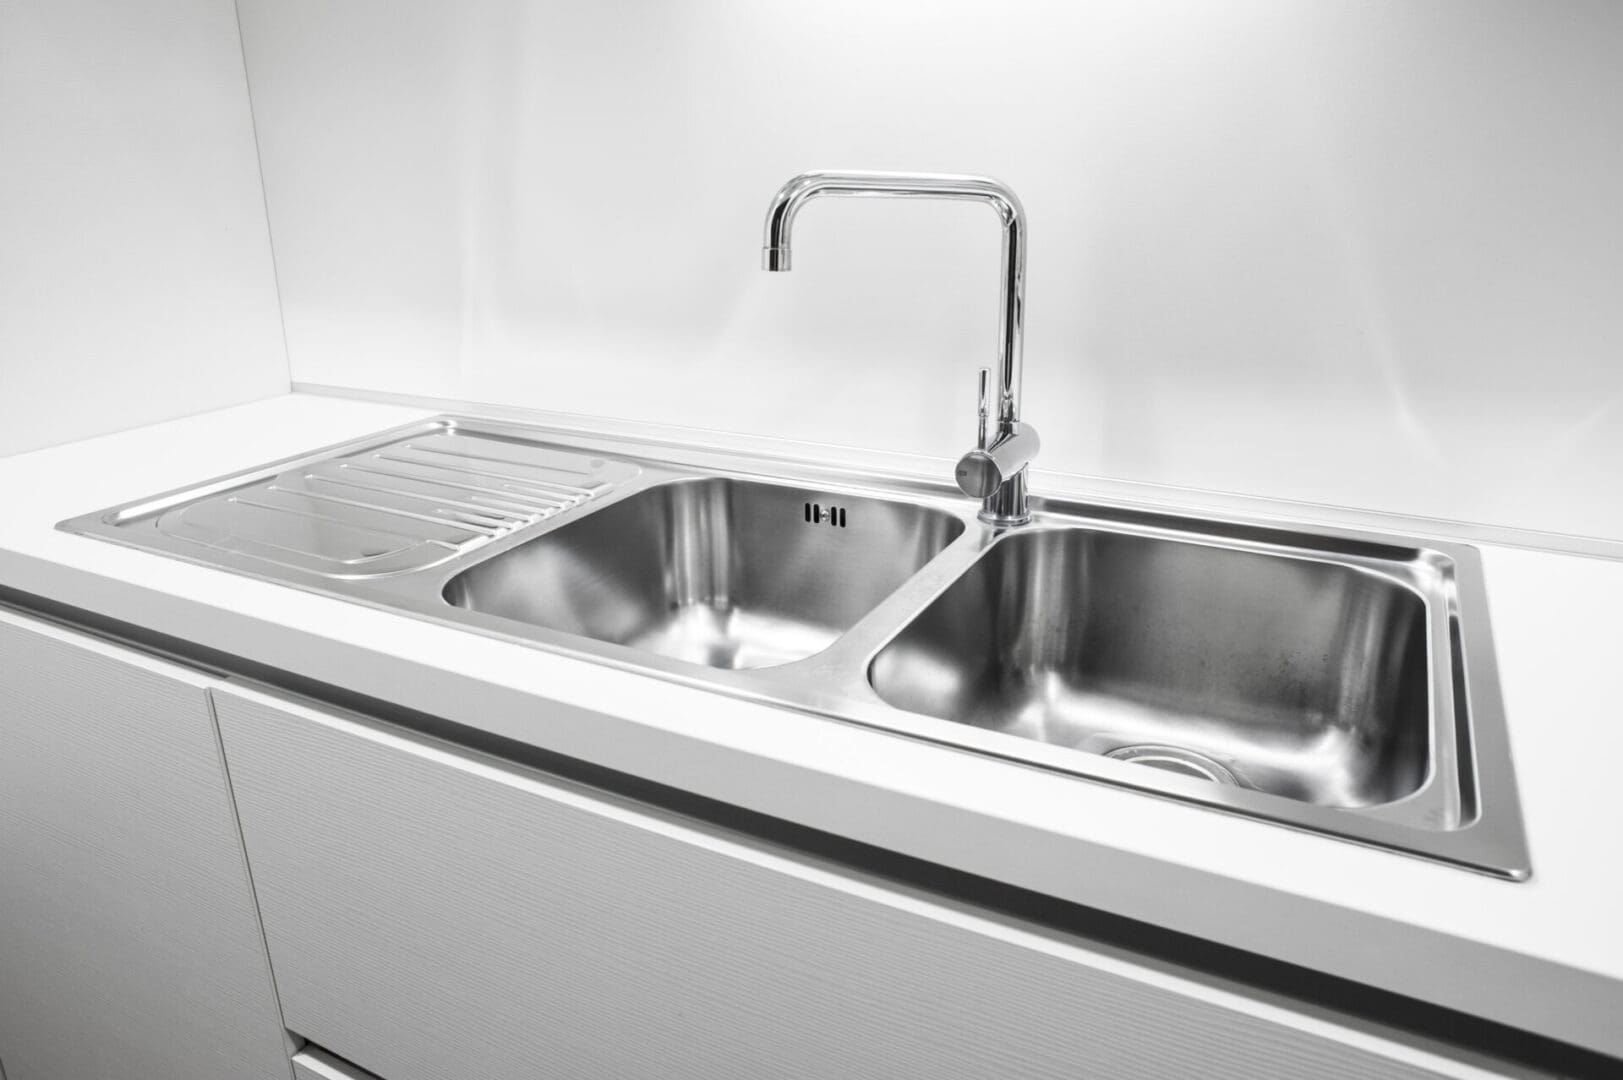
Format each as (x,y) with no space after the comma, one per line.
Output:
(780,219)
(995,471)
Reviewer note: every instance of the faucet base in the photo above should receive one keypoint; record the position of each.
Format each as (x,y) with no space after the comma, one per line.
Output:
(1007,505)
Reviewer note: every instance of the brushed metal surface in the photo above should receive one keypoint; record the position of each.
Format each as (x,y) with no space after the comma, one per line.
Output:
(1091,629)
(721,572)
(436,914)
(389,507)
(1303,678)
(129,942)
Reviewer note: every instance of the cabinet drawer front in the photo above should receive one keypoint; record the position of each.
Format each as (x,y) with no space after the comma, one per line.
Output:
(435,914)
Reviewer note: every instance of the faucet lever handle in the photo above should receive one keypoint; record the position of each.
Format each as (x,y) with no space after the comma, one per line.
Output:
(984,407)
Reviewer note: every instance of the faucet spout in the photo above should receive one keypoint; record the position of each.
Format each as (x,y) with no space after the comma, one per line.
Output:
(1014,441)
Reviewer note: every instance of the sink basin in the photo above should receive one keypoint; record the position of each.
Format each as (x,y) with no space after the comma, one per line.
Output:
(716,571)
(1293,676)
(1338,680)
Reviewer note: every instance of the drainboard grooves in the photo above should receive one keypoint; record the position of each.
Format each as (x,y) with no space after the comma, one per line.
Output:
(437,505)
(464,507)
(467,455)
(359,505)
(453,508)
(513,500)
(505,479)
(395,508)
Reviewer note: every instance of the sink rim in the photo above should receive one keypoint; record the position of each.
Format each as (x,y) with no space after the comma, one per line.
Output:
(833,684)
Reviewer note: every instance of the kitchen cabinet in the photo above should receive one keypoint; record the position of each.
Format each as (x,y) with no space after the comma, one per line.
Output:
(435,913)
(312,1063)
(129,942)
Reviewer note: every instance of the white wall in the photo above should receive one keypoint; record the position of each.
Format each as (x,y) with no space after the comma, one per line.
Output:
(136,281)
(1364,253)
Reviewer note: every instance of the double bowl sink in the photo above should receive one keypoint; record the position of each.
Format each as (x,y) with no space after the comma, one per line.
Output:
(1335,681)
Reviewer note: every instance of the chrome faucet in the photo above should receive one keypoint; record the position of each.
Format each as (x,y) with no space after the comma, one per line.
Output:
(995,471)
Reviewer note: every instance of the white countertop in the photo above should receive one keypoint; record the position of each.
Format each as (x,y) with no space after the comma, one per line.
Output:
(1545,954)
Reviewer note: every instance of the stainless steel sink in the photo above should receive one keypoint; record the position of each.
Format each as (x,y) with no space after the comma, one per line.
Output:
(722,572)
(1300,677)
(1340,681)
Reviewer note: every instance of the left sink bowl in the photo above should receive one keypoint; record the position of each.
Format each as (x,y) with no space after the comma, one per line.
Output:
(717,571)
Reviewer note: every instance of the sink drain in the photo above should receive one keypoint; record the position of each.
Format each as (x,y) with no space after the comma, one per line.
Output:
(1174,759)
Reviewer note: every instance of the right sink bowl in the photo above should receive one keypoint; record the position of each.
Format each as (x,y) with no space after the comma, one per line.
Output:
(1329,682)
(1301,678)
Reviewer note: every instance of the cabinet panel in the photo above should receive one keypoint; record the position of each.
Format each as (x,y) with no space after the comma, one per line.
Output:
(436,914)
(129,944)
(313,1063)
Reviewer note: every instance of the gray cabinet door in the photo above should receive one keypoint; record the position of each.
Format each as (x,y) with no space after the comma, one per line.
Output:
(313,1063)
(437,914)
(129,943)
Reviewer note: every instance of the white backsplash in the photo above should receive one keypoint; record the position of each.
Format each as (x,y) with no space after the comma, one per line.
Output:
(1363,254)
(136,282)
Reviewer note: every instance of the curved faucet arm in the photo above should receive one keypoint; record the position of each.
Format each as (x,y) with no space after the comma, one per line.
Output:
(780,219)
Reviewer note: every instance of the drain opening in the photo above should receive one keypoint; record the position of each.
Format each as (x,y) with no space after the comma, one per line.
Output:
(1175,759)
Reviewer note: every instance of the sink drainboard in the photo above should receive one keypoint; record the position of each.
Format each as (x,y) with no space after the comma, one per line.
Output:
(406,505)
